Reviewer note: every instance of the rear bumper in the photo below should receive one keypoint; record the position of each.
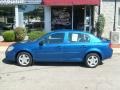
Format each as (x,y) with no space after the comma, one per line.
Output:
(108,54)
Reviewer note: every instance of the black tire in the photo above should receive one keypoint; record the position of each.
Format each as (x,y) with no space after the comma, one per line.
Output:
(24,59)
(92,60)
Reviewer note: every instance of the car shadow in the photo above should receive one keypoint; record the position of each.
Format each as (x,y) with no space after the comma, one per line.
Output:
(8,62)
(60,64)
(49,63)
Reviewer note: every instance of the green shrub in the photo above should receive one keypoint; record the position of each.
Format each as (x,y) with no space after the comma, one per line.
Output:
(100,25)
(9,36)
(35,34)
(20,33)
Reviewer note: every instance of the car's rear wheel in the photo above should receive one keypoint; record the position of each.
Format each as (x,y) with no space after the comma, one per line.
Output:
(92,60)
(24,59)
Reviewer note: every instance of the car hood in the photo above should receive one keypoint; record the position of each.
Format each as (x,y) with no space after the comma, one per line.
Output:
(23,43)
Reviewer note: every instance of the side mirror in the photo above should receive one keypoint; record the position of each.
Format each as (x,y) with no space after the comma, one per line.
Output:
(41,43)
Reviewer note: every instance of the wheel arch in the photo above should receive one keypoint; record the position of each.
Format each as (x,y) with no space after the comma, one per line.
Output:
(98,53)
(22,51)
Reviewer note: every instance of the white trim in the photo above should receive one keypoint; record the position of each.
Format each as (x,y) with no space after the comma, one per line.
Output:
(16,16)
(90,19)
(85,19)
(19,17)
(47,18)
(19,2)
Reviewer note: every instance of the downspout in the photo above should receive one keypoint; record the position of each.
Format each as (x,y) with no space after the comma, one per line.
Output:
(114,25)
(100,7)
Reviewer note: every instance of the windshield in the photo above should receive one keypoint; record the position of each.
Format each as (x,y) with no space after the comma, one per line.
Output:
(42,37)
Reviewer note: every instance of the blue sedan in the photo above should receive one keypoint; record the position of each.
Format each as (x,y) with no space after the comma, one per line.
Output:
(61,46)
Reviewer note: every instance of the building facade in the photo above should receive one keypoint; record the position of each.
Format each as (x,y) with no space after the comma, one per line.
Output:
(70,14)
(111,11)
(20,13)
(49,14)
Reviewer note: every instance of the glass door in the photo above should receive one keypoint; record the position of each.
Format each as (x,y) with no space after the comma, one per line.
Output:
(87,19)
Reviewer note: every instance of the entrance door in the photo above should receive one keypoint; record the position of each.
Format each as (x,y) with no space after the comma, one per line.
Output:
(82,18)
(78,18)
(87,19)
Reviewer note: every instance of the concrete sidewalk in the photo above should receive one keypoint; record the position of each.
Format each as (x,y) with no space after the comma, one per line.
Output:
(3,48)
(116,50)
(4,45)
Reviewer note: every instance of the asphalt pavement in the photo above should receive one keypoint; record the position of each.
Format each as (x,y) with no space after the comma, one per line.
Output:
(60,76)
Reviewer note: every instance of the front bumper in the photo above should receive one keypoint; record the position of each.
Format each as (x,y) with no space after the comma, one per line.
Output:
(10,56)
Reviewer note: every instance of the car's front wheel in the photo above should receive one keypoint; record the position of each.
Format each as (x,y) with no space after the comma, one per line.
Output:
(92,60)
(24,59)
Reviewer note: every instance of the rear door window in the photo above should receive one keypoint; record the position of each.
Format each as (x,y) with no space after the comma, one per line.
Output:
(78,37)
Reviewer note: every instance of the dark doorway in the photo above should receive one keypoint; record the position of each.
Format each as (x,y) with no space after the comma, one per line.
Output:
(78,18)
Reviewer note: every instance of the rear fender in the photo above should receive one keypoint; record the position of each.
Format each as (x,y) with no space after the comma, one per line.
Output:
(94,50)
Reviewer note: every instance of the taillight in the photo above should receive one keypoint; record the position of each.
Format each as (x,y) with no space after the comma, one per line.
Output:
(110,45)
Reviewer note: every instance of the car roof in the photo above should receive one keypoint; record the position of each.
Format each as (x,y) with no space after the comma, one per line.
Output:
(69,30)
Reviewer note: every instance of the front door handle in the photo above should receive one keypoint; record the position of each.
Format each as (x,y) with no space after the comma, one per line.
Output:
(84,46)
(58,46)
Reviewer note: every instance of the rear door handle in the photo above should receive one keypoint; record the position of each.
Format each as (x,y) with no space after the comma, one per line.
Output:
(84,46)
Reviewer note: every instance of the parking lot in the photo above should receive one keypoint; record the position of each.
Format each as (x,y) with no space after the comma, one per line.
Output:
(60,76)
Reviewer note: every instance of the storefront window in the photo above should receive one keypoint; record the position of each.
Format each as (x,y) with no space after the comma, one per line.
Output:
(33,17)
(7,15)
(119,17)
(61,18)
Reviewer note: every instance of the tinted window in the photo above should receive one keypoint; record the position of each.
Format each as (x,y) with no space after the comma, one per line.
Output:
(78,37)
(55,38)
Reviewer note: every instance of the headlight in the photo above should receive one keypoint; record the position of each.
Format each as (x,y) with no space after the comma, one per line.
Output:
(10,48)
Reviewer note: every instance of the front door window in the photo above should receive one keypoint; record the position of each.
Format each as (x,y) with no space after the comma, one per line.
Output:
(56,38)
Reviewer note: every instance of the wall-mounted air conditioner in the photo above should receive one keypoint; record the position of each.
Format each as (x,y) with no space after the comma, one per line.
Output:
(115,37)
